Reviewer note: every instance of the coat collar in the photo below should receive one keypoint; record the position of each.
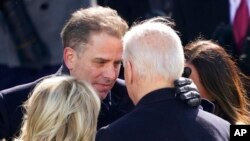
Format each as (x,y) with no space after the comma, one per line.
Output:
(157,95)
(63,70)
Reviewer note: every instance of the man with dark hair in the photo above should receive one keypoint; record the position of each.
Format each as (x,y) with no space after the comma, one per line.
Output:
(92,52)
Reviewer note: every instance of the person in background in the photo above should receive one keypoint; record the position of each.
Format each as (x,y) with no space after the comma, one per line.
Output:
(153,58)
(92,52)
(224,21)
(61,108)
(218,80)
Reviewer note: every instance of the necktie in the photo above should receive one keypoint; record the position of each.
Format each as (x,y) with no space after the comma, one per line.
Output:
(240,24)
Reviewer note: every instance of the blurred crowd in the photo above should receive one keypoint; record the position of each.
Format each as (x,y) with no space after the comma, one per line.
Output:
(31,46)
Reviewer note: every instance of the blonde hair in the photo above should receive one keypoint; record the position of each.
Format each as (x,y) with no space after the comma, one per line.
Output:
(61,109)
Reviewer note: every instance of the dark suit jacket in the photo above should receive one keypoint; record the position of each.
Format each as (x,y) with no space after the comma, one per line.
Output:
(159,116)
(11,100)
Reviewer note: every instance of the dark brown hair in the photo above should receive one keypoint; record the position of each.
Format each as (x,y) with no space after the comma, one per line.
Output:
(222,79)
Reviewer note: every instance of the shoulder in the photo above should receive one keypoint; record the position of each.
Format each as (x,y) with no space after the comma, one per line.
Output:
(10,102)
(206,116)
(104,134)
(18,93)
(217,126)
(129,127)
(19,88)
(113,132)
(121,125)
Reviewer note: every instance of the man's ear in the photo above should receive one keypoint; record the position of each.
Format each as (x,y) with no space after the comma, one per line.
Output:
(69,55)
(129,72)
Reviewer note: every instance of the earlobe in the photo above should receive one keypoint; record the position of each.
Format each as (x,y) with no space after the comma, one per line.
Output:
(68,57)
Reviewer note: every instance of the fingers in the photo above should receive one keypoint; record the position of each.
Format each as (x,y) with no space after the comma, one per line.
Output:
(185,89)
(189,95)
(187,92)
(194,102)
(192,98)
(182,81)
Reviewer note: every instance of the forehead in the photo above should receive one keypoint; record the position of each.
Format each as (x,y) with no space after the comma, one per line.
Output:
(103,44)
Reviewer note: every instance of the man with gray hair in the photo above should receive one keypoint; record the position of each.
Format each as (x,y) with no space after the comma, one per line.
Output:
(153,58)
(92,41)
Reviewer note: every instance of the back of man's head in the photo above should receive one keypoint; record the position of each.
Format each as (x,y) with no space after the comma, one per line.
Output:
(154,49)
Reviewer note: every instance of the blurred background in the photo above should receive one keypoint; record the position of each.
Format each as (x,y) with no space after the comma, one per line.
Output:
(30,44)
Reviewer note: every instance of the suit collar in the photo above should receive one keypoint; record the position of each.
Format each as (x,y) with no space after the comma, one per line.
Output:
(63,70)
(157,95)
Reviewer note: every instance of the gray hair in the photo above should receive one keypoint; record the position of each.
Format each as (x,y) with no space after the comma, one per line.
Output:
(154,49)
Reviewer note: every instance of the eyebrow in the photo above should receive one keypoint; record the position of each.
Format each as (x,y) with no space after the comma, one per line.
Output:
(118,61)
(106,60)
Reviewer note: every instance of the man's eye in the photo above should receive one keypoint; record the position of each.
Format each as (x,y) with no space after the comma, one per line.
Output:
(118,64)
(100,62)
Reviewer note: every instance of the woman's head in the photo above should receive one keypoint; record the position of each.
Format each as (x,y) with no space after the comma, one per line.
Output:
(217,78)
(61,108)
